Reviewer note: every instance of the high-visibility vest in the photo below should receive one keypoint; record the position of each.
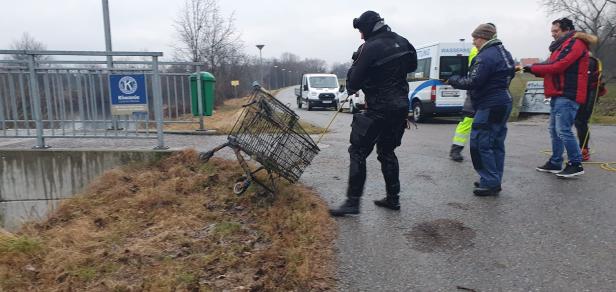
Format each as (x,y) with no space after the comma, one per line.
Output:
(472,55)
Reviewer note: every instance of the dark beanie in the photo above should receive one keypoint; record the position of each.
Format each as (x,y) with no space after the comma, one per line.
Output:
(484,31)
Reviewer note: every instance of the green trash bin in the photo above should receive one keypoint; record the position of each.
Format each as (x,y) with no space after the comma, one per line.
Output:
(207,93)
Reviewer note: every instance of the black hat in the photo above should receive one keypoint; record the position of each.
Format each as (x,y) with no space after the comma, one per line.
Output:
(366,21)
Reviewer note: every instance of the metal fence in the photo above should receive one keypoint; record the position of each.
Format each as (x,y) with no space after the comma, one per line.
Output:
(70,99)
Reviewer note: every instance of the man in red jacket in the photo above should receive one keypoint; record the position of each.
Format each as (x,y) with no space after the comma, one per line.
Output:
(565,76)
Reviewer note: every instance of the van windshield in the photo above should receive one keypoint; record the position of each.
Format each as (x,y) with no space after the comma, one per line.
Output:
(323,82)
(453,65)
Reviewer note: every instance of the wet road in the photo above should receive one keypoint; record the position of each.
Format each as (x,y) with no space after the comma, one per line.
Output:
(540,234)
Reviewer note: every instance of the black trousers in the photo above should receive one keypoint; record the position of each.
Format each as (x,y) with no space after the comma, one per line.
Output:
(581,120)
(385,130)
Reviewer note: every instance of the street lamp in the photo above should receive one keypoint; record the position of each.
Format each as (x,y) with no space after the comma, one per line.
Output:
(260,47)
(276,76)
(284,83)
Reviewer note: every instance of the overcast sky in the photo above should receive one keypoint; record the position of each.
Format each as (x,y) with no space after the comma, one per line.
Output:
(310,29)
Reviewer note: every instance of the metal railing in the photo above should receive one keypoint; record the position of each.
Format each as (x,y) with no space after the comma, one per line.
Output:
(70,99)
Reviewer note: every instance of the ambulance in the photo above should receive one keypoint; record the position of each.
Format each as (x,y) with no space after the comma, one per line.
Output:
(429,96)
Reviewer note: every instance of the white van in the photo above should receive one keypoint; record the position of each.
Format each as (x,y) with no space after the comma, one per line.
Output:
(318,90)
(428,95)
(354,103)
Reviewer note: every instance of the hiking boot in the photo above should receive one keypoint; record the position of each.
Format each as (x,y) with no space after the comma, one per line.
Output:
(391,202)
(456,153)
(485,192)
(549,167)
(571,170)
(349,207)
(585,154)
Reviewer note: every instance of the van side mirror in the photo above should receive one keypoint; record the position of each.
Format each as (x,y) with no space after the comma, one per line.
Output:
(305,87)
(341,88)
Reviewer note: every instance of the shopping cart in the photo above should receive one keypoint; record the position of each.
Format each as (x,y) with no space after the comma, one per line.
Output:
(269,132)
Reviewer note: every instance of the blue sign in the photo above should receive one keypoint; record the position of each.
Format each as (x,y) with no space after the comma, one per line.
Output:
(128,94)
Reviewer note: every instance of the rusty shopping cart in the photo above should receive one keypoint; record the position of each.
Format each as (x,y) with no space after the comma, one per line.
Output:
(270,133)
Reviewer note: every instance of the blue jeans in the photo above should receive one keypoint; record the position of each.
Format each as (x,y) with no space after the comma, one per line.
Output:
(562,117)
(487,145)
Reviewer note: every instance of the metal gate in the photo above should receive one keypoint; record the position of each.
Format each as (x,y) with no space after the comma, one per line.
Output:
(70,99)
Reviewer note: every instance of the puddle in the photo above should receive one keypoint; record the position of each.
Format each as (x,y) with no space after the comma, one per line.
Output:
(441,235)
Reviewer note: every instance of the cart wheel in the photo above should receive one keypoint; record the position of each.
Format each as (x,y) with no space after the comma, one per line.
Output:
(205,156)
(240,187)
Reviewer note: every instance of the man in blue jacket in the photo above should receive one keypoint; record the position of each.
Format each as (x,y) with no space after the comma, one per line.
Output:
(488,83)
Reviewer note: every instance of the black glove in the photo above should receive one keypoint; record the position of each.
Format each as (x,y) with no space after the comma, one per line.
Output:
(526,69)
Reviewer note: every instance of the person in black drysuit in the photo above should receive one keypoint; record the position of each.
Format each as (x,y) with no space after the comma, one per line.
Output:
(379,69)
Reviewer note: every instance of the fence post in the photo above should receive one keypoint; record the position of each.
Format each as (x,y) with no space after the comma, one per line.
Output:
(36,100)
(200,100)
(158,104)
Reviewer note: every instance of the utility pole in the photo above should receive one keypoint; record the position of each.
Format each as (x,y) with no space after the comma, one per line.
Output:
(107,33)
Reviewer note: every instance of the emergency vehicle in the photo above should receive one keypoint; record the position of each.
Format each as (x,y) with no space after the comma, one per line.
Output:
(429,96)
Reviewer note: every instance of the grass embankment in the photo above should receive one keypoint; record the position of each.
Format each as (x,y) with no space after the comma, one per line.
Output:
(174,225)
(605,109)
(517,86)
(225,117)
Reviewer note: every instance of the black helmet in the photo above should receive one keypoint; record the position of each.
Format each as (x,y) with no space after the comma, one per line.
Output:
(366,21)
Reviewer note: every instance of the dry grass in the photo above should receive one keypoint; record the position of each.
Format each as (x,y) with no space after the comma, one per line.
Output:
(605,109)
(225,116)
(174,225)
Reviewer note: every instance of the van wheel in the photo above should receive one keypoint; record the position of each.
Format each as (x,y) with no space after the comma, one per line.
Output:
(353,109)
(299,102)
(418,115)
(308,106)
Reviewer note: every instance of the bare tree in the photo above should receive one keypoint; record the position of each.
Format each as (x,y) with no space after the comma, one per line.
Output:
(594,16)
(191,28)
(340,69)
(28,43)
(205,35)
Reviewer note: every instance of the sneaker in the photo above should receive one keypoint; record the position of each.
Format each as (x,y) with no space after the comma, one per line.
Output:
(585,154)
(571,170)
(549,167)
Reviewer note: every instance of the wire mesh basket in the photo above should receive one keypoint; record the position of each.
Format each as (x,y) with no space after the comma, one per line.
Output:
(270,133)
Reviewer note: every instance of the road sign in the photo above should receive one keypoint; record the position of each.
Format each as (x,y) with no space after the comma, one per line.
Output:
(235,82)
(128,94)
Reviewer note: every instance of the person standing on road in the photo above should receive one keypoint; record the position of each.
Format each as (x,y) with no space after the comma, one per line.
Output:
(379,69)
(488,85)
(565,76)
(463,129)
(596,89)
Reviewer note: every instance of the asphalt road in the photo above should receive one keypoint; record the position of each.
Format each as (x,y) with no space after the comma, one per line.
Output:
(540,234)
